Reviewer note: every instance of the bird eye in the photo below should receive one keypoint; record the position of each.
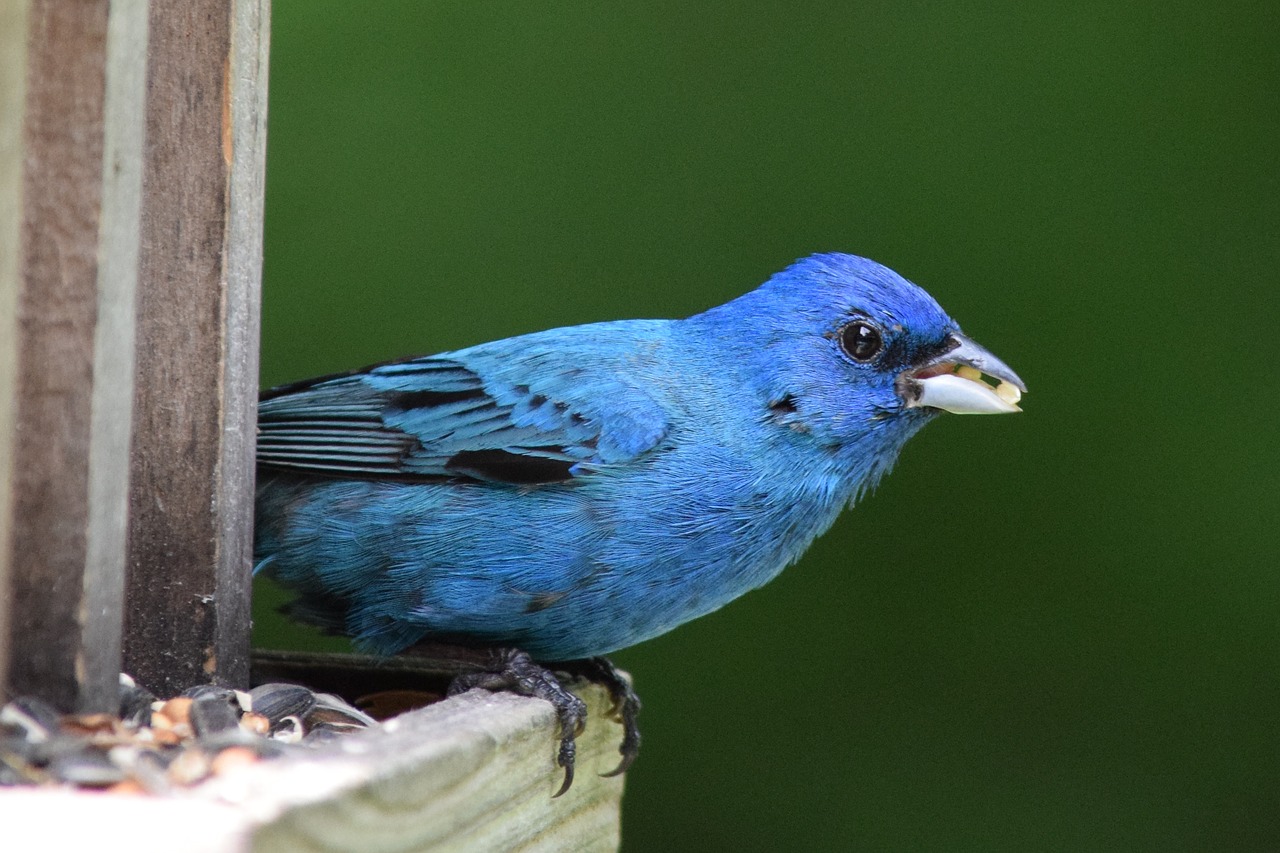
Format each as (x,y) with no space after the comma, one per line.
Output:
(861,340)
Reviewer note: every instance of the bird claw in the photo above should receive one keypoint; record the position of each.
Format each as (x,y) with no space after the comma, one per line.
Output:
(514,671)
(624,707)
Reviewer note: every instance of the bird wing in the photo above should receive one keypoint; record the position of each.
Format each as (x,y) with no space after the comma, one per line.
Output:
(495,413)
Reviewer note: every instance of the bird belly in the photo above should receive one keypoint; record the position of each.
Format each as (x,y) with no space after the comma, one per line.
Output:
(563,571)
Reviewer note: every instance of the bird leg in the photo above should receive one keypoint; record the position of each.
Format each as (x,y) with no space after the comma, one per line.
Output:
(625,703)
(513,670)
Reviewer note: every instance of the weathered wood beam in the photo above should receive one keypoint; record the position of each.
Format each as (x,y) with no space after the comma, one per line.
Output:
(474,772)
(13,78)
(71,89)
(195,409)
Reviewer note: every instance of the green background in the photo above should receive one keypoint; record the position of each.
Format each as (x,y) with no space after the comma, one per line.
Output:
(1054,631)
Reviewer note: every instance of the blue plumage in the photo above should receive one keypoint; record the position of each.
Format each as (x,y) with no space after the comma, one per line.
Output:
(579,490)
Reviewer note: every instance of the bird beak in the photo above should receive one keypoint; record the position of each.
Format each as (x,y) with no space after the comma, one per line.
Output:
(958,381)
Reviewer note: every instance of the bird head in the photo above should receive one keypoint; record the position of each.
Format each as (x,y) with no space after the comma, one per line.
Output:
(847,351)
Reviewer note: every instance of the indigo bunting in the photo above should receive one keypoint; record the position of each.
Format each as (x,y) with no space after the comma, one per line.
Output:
(556,496)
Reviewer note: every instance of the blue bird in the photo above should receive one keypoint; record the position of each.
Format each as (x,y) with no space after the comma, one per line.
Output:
(557,496)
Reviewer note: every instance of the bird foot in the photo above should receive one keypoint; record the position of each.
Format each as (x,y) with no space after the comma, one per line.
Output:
(513,670)
(625,703)
(516,672)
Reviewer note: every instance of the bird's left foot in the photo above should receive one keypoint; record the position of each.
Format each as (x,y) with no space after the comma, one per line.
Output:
(516,672)
(513,670)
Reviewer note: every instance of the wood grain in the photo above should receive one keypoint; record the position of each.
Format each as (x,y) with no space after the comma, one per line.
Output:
(131,177)
(68,394)
(13,76)
(474,772)
(191,498)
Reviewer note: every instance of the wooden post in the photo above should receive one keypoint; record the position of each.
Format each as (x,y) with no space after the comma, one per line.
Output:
(13,64)
(72,87)
(132,145)
(195,410)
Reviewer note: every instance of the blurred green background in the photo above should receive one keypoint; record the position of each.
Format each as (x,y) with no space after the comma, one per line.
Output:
(1055,631)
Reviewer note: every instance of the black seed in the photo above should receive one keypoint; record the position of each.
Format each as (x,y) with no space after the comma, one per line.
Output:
(90,767)
(35,717)
(210,690)
(135,705)
(324,733)
(277,701)
(212,714)
(288,730)
(336,712)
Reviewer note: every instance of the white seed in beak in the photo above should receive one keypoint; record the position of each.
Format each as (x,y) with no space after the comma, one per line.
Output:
(953,393)
(1008,392)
